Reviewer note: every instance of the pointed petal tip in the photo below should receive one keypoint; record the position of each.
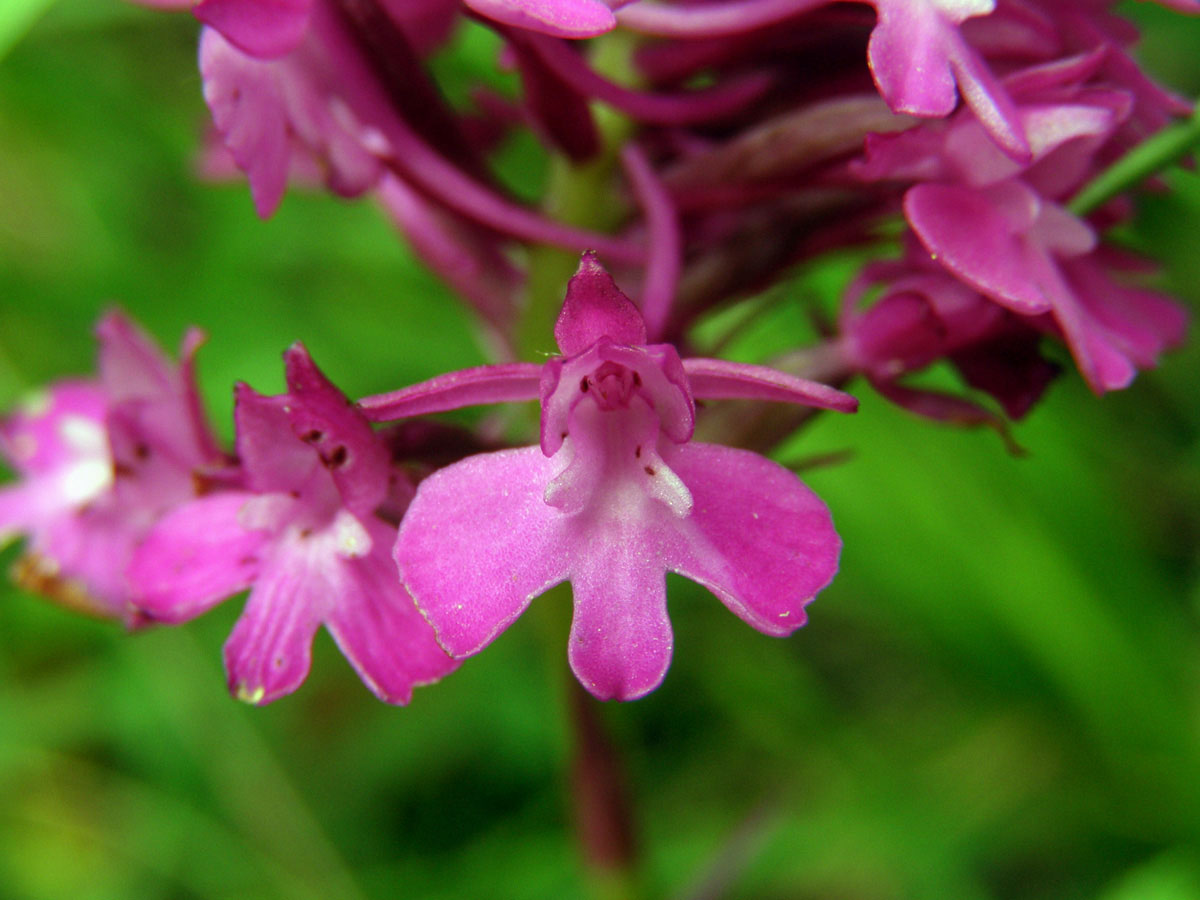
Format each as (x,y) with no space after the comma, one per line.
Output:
(266,200)
(595,307)
(244,395)
(113,321)
(301,371)
(193,339)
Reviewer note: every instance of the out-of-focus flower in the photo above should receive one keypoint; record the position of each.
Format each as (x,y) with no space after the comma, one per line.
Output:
(302,534)
(923,315)
(999,226)
(100,462)
(616,496)
(1033,257)
(276,115)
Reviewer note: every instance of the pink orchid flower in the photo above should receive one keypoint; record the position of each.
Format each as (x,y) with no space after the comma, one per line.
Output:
(616,496)
(101,461)
(1033,257)
(302,534)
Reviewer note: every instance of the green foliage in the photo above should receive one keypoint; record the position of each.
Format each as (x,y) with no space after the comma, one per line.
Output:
(16,17)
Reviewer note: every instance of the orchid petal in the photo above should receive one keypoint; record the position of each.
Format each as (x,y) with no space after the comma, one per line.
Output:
(196,556)
(79,562)
(272,460)
(505,383)
(909,60)
(379,629)
(131,365)
(265,29)
(247,105)
(1100,360)
(205,441)
(473,568)
(595,308)
(560,18)
(988,100)
(974,238)
(20,507)
(322,417)
(620,644)
(719,379)
(757,537)
(1144,322)
(917,57)
(57,429)
(269,652)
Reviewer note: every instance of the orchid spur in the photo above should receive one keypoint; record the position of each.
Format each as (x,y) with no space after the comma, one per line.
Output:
(615,496)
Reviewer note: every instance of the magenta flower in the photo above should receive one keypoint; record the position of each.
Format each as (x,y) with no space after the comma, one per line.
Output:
(275,117)
(918,56)
(998,226)
(302,534)
(266,29)
(925,314)
(1033,257)
(269,29)
(100,462)
(561,18)
(616,496)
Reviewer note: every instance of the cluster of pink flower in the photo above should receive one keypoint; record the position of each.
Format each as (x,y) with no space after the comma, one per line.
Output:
(794,147)
(133,512)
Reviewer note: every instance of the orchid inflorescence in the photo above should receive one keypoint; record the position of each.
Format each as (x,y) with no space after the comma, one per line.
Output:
(817,127)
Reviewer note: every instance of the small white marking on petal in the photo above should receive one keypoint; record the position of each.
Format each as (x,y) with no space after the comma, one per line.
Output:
(86,480)
(350,538)
(84,436)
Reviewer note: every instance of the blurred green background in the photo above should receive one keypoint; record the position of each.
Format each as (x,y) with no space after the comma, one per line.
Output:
(998,696)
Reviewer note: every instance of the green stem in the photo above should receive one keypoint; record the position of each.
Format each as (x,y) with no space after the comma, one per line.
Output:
(1151,156)
(579,194)
(582,194)
(595,781)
